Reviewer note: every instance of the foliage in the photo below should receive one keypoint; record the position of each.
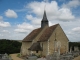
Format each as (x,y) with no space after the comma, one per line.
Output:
(38,56)
(18,55)
(9,46)
(73,44)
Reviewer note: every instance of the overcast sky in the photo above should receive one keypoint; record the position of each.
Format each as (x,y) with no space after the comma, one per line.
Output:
(19,17)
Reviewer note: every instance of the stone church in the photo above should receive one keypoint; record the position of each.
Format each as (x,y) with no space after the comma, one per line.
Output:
(45,40)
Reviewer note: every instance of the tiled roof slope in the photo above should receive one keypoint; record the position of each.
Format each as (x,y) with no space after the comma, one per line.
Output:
(47,33)
(32,35)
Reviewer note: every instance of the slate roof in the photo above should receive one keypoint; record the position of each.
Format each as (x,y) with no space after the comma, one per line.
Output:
(45,35)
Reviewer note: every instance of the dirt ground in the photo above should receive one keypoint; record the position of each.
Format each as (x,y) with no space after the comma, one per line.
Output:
(14,57)
(77,58)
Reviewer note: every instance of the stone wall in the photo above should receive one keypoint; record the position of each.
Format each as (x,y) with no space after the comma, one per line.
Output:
(60,37)
(24,48)
(45,48)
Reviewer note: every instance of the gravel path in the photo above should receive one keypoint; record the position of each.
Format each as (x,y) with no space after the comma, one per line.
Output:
(14,57)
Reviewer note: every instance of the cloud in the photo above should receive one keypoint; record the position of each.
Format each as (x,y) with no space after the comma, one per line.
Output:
(29,17)
(24,27)
(21,10)
(1,35)
(74,31)
(1,18)
(5,24)
(53,11)
(36,7)
(77,29)
(11,14)
(65,14)
(5,31)
(72,3)
(34,20)
(20,30)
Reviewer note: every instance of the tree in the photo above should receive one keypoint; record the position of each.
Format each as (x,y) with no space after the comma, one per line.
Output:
(9,46)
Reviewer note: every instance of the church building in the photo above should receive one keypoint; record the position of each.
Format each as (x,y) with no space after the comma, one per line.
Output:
(45,40)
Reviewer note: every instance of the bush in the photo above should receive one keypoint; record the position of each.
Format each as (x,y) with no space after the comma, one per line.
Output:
(18,55)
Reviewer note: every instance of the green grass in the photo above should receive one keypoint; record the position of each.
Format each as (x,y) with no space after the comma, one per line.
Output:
(18,55)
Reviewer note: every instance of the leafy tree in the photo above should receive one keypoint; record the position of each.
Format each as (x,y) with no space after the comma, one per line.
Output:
(9,46)
(73,44)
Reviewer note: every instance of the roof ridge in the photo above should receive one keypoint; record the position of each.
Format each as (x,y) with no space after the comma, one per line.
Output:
(47,32)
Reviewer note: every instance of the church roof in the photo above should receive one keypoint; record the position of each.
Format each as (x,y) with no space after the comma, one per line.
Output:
(35,46)
(45,35)
(32,35)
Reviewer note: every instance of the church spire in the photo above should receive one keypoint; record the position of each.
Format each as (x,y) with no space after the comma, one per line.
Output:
(44,16)
(44,21)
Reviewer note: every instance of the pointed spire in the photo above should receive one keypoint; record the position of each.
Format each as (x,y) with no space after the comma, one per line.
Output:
(44,16)
(44,21)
